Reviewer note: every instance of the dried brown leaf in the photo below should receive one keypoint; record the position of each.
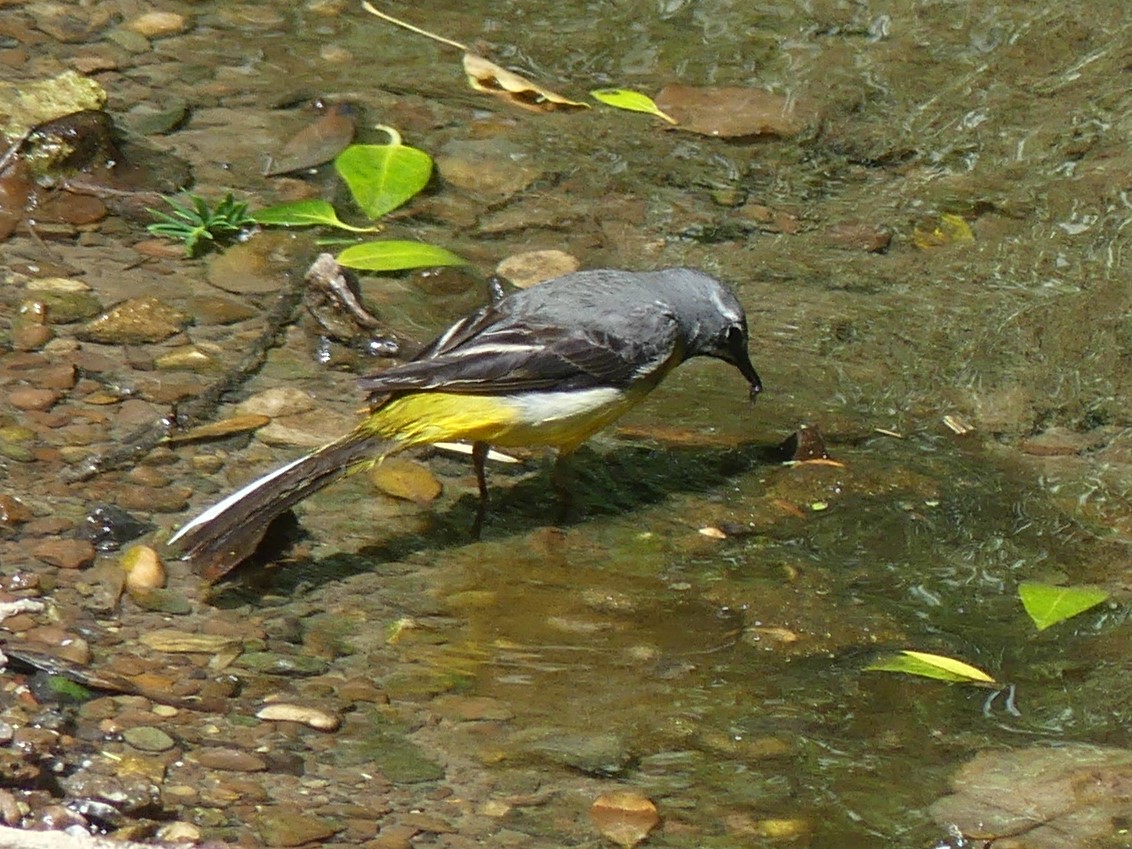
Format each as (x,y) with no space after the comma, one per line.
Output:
(486,76)
(317,143)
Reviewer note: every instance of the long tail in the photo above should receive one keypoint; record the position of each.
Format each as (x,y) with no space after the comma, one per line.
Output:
(229,531)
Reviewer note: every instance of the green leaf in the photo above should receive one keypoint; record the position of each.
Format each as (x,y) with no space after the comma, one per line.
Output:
(381,177)
(1047,605)
(935,666)
(304,213)
(632,101)
(395,256)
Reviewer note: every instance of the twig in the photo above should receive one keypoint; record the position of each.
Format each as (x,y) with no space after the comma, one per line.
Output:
(411,28)
(200,408)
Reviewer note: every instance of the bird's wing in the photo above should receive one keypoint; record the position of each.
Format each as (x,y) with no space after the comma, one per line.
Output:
(513,356)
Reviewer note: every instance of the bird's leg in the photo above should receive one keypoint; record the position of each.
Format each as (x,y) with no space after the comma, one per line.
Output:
(479,457)
(560,480)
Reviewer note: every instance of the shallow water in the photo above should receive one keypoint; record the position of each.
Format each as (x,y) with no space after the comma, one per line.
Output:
(722,678)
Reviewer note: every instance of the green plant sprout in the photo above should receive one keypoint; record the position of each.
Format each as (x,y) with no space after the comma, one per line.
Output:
(196,222)
(380,178)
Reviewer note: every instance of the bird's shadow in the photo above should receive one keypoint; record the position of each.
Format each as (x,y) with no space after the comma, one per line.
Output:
(619,481)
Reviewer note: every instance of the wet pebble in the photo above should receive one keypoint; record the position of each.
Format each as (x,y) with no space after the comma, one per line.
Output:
(281,827)
(170,499)
(13,511)
(67,307)
(143,569)
(64,553)
(274,663)
(624,816)
(489,168)
(531,267)
(320,720)
(60,376)
(594,754)
(158,24)
(282,401)
(217,310)
(31,337)
(186,358)
(230,760)
(133,322)
(33,398)
(148,739)
(860,236)
(179,832)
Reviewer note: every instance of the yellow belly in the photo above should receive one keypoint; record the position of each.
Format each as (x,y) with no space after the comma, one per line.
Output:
(561,420)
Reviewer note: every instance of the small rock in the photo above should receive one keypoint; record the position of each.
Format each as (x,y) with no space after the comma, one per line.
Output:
(274,663)
(31,337)
(493,169)
(230,760)
(61,376)
(526,269)
(158,24)
(283,401)
(13,511)
(304,430)
(186,358)
(286,827)
(179,832)
(33,398)
(320,720)
(860,236)
(134,322)
(64,553)
(624,816)
(169,499)
(144,569)
(148,739)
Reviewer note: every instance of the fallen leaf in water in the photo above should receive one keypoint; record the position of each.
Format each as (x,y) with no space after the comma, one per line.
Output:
(624,816)
(927,665)
(402,478)
(631,101)
(1067,796)
(317,143)
(948,230)
(732,111)
(486,76)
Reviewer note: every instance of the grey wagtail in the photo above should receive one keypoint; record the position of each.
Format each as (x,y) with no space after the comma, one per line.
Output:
(545,366)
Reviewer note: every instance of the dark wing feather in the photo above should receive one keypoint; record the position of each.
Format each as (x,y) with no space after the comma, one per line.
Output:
(479,357)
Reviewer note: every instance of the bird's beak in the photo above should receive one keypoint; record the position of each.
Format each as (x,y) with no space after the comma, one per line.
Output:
(741,359)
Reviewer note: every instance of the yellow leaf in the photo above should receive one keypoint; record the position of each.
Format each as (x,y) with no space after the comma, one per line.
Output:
(950,229)
(632,101)
(928,665)
(486,76)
